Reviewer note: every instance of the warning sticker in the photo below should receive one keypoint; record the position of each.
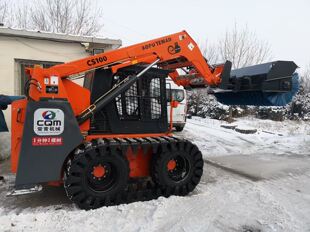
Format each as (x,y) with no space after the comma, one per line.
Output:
(191,46)
(48,121)
(47,141)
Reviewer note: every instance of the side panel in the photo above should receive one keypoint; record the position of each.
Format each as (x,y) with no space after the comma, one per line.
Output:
(50,133)
(17,127)
(79,99)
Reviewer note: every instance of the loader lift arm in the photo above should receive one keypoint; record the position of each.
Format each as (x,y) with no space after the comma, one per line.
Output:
(174,51)
(170,53)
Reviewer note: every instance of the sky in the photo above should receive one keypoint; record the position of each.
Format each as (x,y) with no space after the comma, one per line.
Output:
(284,24)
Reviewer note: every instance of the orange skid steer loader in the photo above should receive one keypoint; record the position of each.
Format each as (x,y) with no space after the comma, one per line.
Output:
(109,142)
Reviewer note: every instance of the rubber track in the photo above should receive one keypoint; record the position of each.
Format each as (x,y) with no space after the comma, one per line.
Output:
(145,189)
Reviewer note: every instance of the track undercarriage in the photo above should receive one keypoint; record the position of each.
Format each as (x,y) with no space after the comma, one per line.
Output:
(176,167)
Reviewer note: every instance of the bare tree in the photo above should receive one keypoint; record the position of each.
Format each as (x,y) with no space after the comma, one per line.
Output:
(67,16)
(210,52)
(21,16)
(240,46)
(79,17)
(4,9)
(305,80)
(243,48)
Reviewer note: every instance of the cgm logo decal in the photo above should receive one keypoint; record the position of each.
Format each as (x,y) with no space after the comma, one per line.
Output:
(48,121)
(48,115)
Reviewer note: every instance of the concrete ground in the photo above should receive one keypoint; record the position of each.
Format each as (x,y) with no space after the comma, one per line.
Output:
(262,167)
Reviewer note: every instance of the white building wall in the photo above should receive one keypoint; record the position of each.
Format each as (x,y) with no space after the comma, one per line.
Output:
(12,48)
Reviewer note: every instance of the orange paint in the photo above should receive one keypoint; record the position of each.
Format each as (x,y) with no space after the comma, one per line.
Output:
(121,136)
(17,127)
(99,171)
(55,183)
(171,165)
(79,99)
(139,163)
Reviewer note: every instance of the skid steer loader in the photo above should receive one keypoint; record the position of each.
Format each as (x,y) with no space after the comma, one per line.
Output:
(109,142)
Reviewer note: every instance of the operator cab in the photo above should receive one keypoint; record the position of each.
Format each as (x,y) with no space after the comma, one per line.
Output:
(140,109)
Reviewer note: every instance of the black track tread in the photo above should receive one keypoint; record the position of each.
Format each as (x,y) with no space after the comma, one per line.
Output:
(136,190)
(154,143)
(176,144)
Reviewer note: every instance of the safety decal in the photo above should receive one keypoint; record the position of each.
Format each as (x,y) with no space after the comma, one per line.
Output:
(47,141)
(191,46)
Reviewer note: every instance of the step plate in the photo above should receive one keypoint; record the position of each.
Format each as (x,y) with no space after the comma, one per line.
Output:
(17,192)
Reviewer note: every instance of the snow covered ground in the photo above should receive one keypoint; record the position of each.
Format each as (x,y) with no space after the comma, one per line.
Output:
(5,145)
(283,138)
(222,201)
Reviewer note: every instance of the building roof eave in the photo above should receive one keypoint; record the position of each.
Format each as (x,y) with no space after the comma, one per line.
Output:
(60,37)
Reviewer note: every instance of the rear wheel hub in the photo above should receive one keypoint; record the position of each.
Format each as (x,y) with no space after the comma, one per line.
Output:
(99,171)
(171,165)
(178,168)
(102,176)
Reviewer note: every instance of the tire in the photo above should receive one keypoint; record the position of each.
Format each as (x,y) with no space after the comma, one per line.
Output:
(90,191)
(187,172)
(179,128)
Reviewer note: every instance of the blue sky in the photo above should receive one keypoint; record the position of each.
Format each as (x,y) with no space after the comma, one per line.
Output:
(285,24)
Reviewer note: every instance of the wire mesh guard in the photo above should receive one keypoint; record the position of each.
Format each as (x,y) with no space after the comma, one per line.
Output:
(141,101)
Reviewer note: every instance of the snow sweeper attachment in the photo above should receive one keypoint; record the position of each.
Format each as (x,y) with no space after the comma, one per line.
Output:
(270,84)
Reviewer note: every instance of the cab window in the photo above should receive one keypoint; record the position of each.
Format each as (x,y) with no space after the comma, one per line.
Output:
(175,94)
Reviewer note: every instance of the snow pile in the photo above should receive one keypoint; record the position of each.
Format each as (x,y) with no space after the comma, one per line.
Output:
(299,109)
(272,137)
(5,145)
(285,128)
(300,106)
(273,113)
(211,108)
